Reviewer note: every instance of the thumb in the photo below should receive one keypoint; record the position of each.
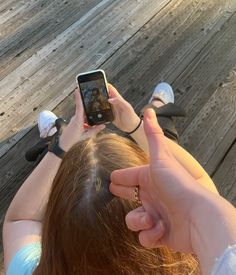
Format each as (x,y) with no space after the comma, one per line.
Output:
(113,91)
(113,101)
(119,101)
(79,109)
(158,149)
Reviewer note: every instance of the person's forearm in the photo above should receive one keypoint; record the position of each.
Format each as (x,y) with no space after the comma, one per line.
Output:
(30,201)
(140,137)
(214,229)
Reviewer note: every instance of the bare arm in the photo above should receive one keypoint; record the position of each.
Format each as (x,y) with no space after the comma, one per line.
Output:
(31,198)
(22,224)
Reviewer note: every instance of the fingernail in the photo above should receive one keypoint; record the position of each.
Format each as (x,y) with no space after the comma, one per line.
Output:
(143,220)
(150,114)
(86,126)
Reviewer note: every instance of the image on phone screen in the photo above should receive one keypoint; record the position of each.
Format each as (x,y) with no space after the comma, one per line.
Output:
(95,96)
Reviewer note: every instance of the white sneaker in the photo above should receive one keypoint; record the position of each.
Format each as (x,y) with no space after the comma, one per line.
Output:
(164,92)
(46,124)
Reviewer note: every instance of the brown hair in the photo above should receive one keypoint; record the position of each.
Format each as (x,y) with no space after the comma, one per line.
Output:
(84,230)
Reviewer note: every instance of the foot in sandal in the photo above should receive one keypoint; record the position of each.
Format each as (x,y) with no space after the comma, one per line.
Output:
(163,93)
(46,123)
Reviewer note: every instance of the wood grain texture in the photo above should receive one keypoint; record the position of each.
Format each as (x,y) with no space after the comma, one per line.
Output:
(51,75)
(225,176)
(223,147)
(38,27)
(212,130)
(211,66)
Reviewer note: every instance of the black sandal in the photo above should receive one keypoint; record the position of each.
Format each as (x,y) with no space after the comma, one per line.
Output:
(40,149)
(165,120)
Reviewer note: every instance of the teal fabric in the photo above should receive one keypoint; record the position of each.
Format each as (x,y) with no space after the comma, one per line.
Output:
(25,260)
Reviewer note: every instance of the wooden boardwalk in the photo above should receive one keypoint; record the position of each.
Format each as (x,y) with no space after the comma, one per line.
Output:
(188,43)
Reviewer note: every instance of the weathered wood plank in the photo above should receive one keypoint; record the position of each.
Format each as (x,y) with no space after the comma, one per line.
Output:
(219,55)
(216,157)
(8,8)
(225,176)
(37,29)
(206,105)
(211,132)
(18,11)
(47,73)
(5,4)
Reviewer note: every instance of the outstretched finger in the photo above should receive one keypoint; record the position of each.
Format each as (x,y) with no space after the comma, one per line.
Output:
(158,149)
(125,192)
(130,176)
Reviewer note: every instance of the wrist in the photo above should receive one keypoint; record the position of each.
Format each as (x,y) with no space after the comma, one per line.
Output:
(64,144)
(133,123)
(136,128)
(213,229)
(140,137)
(55,148)
(70,135)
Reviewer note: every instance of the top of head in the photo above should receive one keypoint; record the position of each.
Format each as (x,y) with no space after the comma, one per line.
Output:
(84,226)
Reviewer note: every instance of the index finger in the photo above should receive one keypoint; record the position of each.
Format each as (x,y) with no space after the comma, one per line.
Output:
(129,176)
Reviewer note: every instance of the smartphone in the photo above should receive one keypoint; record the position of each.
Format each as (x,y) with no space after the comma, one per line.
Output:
(94,94)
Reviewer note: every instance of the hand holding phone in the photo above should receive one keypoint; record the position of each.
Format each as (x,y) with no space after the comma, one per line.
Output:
(94,94)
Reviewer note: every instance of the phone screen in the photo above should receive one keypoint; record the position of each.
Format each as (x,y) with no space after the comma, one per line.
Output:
(95,98)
